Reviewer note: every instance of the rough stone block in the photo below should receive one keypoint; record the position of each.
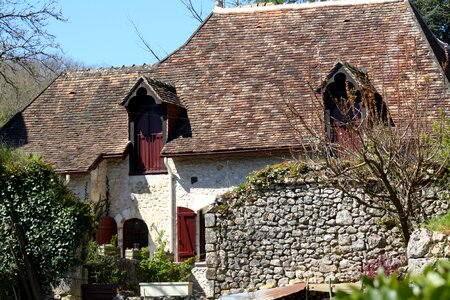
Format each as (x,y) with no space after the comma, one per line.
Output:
(210,220)
(419,243)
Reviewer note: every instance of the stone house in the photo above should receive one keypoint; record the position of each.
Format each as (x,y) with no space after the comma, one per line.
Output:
(160,142)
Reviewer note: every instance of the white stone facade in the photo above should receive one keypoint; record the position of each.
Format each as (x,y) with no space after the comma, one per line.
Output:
(191,183)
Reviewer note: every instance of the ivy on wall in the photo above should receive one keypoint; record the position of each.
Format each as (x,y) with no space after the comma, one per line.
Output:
(40,215)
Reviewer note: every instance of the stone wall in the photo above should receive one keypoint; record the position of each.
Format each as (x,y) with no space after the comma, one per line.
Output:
(288,233)
(426,247)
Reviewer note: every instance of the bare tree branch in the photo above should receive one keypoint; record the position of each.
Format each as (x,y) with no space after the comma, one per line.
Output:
(145,45)
(196,13)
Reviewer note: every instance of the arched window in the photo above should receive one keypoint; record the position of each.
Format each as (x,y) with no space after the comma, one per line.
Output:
(135,234)
(146,134)
(342,103)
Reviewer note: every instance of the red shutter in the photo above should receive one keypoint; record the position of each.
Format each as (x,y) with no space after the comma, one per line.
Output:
(149,143)
(186,233)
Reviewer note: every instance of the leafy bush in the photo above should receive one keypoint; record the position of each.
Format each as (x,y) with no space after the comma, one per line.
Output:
(161,267)
(432,284)
(103,268)
(39,210)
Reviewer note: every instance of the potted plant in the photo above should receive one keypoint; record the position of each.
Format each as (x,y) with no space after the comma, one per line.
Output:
(162,276)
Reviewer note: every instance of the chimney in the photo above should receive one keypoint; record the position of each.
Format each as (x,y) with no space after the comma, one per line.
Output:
(219,3)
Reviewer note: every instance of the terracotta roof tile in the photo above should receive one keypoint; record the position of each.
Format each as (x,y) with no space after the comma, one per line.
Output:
(235,73)
(77,119)
(233,77)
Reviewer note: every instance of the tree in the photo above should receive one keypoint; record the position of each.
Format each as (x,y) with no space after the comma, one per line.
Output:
(42,226)
(26,86)
(436,14)
(29,58)
(378,163)
(24,39)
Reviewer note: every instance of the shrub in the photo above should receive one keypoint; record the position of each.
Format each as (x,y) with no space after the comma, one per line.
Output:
(432,284)
(39,216)
(103,268)
(161,268)
(389,266)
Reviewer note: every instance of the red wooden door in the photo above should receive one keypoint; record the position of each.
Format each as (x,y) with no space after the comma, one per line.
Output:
(186,233)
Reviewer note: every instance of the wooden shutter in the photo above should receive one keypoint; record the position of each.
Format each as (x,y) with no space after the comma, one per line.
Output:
(149,143)
(186,233)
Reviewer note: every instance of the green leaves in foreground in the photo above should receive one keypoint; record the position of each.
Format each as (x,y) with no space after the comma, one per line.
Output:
(34,199)
(432,284)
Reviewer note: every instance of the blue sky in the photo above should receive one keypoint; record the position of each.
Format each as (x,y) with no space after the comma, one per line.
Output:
(99,32)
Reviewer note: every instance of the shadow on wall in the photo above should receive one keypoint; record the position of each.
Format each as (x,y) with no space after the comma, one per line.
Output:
(14,132)
(222,173)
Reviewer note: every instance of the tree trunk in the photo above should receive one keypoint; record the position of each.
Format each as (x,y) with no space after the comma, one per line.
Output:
(32,277)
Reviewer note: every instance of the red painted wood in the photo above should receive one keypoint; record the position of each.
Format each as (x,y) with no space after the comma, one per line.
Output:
(346,138)
(106,228)
(186,233)
(149,143)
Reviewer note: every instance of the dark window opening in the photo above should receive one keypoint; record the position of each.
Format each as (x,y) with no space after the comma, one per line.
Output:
(135,234)
(342,106)
(348,107)
(146,134)
(202,238)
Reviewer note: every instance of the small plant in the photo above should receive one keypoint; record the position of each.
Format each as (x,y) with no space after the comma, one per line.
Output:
(103,268)
(384,263)
(441,224)
(161,268)
(432,284)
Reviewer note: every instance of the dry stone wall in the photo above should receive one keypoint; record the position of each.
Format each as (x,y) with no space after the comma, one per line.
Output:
(288,233)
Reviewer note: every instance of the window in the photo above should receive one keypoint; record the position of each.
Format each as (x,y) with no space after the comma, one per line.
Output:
(135,234)
(342,107)
(146,134)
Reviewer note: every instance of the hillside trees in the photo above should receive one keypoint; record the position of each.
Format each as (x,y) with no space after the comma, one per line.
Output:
(29,57)
(42,226)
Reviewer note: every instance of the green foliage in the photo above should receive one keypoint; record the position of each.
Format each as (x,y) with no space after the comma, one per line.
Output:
(440,223)
(436,14)
(53,220)
(432,284)
(161,267)
(103,268)
(277,174)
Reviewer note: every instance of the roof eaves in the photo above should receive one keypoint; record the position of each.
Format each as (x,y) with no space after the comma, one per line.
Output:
(232,151)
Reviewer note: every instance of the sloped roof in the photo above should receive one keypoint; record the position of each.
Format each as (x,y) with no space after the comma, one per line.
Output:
(78,119)
(233,77)
(235,73)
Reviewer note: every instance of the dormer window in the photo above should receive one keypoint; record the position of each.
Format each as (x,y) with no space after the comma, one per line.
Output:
(350,101)
(342,102)
(146,133)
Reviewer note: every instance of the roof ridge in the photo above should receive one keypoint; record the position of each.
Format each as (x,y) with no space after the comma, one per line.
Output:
(149,67)
(305,5)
